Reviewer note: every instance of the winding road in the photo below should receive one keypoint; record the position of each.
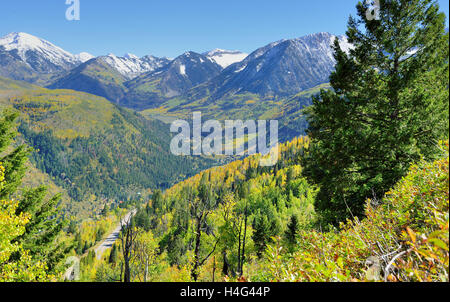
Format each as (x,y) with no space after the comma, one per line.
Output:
(73,272)
(109,241)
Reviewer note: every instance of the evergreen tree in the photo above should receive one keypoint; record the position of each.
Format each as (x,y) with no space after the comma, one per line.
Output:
(265,226)
(292,231)
(113,256)
(85,247)
(40,236)
(261,232)
(142,220)
(79,244)
(99,235)
(157,202)
(72,227)
(13,160)
(20,268)
(388,106)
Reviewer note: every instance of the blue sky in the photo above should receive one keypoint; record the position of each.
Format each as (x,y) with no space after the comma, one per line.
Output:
(171,27)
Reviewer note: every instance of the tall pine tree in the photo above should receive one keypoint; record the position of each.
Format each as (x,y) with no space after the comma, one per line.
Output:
(13,159)
(388,106)
(41,233)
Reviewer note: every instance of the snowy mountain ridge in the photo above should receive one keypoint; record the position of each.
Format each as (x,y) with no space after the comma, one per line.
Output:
(225,58)
(37,53)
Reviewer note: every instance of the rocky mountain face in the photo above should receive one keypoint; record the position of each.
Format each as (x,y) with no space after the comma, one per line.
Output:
(285,67)
(96,77)
(131,66)
(183,73)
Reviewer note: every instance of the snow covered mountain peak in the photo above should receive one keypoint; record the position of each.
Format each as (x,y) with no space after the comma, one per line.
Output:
(225,57)
(39,54)
(23,42)
(84,57)
(284,67)
(131,56)
(132,66)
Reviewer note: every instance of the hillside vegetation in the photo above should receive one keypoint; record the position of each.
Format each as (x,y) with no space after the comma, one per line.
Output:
(96,151)
(363,198)
(404,237)
(224,216)
(258,224)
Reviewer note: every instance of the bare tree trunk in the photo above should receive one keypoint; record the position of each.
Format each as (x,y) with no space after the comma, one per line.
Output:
(128,236)
(126,277)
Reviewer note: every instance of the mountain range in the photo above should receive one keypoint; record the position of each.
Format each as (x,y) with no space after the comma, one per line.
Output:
(285,67)
(282,68)
(176,78)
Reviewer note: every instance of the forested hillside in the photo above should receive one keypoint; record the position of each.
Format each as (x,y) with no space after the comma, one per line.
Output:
(245,222)
(404,237)
(98,152)
(223,217)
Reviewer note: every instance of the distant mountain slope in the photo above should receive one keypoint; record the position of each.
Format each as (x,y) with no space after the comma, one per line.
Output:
(26,57)
(96,77)
(106,75)
(274,72)
(158,79)
(29,58)
(97,151)
(180,75)
(282,68)
(130,66)
(244,106)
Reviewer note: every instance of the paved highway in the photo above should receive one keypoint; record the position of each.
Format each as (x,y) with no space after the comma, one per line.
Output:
(109,241)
